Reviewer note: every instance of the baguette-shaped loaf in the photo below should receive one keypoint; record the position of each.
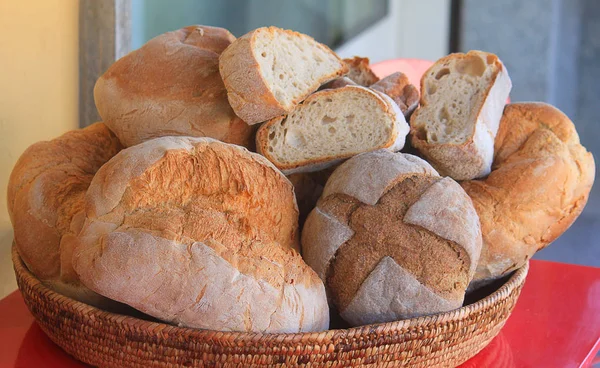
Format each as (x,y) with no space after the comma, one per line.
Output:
(268,71)
(171,86)
(46,201)
(200,233)
(539,184)
(462,98)
(330,126)
(391,239)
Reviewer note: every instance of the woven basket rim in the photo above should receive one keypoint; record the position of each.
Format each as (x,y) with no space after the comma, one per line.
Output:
(514,281)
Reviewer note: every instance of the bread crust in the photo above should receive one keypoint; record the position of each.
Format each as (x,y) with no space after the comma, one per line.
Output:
(171,86)
(399,89)
(540,183)
(360,72)
(46,200)
(395,141)
(201,233)
(248,92)
(379,207)
(472,158)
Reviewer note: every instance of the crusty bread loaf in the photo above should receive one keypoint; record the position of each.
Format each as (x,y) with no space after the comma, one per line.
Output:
(171,86)
(330,126)
(308,188)
(200,233)
(270,70)
(46,193)
(462,98)
(392,239)
(539,184)
(360,72)
(398,87)
(339,83)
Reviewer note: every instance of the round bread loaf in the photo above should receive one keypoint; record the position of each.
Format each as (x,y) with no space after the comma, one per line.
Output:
(46,199)
(540,181)
(171,86)
(199,233)
(392,239)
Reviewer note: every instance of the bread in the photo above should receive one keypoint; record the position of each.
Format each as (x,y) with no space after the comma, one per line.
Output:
(539,184)
(199,233)
(339,83)
(330,126)
(46,193)
(308,188)
(268,71)
(462,98)
(398,87)
(171,87)
(391,239)
(360,72)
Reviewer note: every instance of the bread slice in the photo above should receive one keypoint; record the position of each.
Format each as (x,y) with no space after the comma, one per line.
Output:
(330,126)
(270,70)
(462,99)
(398,87)
(360,72)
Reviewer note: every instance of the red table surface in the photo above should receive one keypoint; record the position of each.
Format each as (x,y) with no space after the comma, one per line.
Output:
(556,323)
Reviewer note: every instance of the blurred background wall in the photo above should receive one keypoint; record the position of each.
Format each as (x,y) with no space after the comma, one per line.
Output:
(38,90)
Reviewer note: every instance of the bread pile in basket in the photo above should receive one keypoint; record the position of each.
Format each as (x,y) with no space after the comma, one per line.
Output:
(165,207)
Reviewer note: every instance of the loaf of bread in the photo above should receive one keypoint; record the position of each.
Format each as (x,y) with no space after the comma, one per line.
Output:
(360,72)
(398,87)
(462,98)
(539,184)
(46,193)
(391,239)
(268,71)
(171,87)
(308,188)
(199,233)
(330,126)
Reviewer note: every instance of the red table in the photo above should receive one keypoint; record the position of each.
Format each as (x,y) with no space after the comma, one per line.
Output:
(556,323)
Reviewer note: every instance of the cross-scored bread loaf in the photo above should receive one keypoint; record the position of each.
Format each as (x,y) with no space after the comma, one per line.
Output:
(269,70)
(200,233)
(330,126)
(360,72)
(392,239)
(46,193)
(462,98)
(398,87)
(539,184)
(171,86)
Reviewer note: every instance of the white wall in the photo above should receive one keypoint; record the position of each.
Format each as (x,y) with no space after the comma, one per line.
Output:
(413,29)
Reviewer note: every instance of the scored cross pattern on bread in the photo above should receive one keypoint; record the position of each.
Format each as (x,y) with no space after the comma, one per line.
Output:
(330,126)
(391,239)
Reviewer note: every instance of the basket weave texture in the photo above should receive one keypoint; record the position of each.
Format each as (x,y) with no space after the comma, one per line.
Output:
(105,339)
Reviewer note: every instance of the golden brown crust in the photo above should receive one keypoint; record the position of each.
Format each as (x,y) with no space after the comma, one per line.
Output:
(171,86)
(46,191)
(247,91)
(540,183)
(398,87)
(360,72)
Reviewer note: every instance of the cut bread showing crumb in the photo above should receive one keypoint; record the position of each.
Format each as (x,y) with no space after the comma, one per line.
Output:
(270,70)
(330,126)
(462,99)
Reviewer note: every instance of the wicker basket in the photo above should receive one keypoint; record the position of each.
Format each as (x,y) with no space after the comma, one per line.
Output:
(110,340)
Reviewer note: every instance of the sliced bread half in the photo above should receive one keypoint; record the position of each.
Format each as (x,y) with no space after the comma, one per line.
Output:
(269,70)
(330,126)
(462,99)
(360,72)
